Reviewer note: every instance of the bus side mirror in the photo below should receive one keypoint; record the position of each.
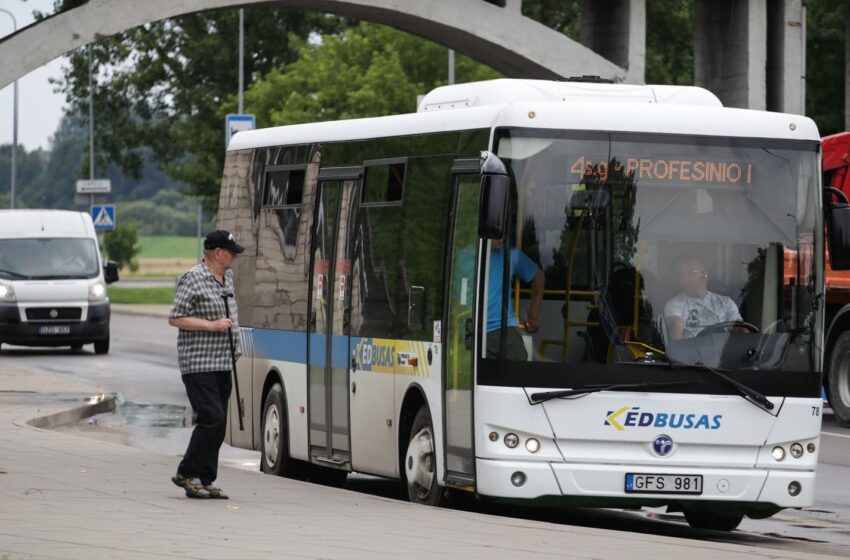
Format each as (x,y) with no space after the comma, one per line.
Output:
(838,236)
(493,208)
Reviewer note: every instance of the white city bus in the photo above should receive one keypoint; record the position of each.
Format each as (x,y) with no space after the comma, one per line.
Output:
(382,335)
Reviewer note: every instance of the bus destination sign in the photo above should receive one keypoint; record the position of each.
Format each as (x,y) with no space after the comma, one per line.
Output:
(664,170)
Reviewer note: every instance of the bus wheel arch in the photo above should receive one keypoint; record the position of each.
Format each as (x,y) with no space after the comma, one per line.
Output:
(274,430)
(417,450)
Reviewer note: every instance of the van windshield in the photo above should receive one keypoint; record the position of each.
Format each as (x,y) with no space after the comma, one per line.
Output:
(48,258)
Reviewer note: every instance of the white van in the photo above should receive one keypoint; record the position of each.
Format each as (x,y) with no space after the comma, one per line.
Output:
(52,280)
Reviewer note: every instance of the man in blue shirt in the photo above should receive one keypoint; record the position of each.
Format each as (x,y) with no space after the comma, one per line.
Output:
(527,271)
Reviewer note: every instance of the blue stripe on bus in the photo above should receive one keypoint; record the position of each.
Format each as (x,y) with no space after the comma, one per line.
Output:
(291,346)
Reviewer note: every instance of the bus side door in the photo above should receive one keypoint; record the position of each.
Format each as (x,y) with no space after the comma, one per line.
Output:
(459,373)
(328,344)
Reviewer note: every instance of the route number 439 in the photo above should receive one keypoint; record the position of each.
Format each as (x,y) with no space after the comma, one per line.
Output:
(815,411)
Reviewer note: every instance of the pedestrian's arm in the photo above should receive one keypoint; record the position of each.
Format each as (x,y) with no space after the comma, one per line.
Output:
(533,322)
(198,324)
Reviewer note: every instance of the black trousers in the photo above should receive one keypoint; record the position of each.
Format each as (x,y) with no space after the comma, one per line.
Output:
(208,393)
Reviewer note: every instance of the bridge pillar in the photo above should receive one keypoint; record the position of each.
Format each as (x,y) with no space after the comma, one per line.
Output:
(730,49)
(786,56)
(616,29)
(847,67)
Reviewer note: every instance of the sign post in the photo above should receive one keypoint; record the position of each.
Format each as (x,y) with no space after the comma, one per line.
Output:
(237,123)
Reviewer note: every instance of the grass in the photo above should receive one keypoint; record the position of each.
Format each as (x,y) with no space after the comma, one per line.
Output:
(140,295)
(168,247)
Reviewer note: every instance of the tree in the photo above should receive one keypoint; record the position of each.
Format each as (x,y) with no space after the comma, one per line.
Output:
(168,86)
(367,70)
(122,246)
(825,36)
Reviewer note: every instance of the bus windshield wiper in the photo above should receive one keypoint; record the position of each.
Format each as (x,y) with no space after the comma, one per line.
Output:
(749,394)
(538,398)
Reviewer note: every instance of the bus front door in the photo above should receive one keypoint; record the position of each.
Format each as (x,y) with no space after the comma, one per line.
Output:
(329,325)
(459,380)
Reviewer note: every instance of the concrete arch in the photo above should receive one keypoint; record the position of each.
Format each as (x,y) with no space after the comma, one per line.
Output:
(500,37)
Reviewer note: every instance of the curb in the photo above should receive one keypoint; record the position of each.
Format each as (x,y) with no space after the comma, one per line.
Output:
(57,419)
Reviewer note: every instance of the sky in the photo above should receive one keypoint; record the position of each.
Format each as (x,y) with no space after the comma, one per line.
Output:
(39,109)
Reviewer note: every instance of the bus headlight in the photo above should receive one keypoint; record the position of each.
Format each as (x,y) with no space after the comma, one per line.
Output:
(511,440)
(533,445)
(778,453)
(794,488)
(796,450)
(7,293)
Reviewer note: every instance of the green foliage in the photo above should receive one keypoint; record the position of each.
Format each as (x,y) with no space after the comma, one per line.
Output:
(160,296)
(825,64)
(168,246)
(365,71)
(121,245)
(560,15)
(168,212)
(669,42)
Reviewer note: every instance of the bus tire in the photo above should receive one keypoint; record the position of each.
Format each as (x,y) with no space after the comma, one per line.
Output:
(274,444)
(839,380)
(712,520)
(420,462)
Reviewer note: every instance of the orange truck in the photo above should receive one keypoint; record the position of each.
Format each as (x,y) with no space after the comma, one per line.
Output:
(836,174)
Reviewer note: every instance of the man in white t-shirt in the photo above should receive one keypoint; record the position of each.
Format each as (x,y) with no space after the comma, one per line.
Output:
(696,308)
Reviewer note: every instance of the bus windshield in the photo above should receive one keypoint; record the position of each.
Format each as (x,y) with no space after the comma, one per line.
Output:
(43,258)
(632,247)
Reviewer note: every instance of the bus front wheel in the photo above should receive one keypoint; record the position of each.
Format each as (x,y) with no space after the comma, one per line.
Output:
(839,380)
(713,521)
(420,463)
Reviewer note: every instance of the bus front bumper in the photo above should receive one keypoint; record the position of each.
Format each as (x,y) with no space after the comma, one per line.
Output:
(606,483)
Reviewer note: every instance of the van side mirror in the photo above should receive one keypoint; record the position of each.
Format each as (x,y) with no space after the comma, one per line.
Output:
(493,207)
(110,272)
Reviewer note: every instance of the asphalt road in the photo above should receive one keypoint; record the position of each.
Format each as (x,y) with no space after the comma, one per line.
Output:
(153,414)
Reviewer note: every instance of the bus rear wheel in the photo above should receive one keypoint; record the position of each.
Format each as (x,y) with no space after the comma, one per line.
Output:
(712,520)
(839,380)
(420,462)
(274,445)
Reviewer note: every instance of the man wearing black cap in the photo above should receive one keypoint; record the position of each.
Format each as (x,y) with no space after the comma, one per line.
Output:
(203,353)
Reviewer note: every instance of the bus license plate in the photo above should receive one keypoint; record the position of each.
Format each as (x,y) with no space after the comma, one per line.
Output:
(645,483)
(54,329)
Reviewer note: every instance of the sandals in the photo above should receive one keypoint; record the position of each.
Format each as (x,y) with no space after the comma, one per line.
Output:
(192,486)
(216,493)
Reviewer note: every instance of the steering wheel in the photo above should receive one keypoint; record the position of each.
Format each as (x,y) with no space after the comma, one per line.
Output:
(728,326)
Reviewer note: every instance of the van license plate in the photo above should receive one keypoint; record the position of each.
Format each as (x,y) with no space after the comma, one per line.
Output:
(54,329)
(645,483)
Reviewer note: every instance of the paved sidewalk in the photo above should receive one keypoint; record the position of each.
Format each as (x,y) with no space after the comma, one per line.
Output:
(63,496)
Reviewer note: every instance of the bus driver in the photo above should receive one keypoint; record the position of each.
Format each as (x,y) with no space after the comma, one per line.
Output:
(696,308)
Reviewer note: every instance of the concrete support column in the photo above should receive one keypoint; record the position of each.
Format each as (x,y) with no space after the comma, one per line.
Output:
(616,29)
(786,56)
(730,49)
(847,67)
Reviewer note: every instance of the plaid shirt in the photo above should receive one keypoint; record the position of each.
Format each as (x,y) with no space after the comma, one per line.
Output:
(199,295)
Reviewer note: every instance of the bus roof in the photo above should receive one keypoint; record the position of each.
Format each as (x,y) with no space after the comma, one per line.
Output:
(550,105)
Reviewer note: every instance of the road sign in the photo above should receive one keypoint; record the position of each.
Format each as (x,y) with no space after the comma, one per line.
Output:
(103,216)
(237,123)
(94,186)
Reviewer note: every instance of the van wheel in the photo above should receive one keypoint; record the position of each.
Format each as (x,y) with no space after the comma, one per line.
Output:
(420,462)
(839,380)
(101,346)
(713,521)
(274,445)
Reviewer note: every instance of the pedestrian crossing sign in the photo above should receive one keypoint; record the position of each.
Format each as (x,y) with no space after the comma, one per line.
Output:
(103,216)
